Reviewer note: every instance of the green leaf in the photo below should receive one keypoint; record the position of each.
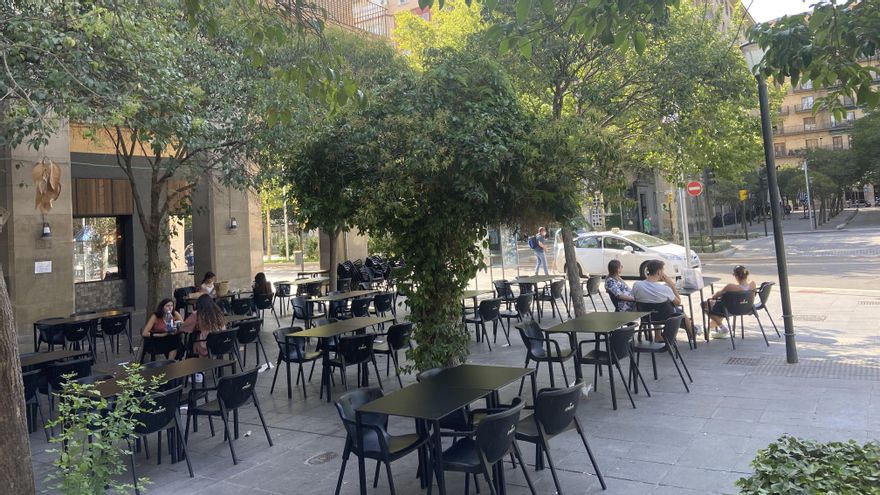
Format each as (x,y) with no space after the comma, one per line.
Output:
(525,48)
(639,42)
(523,8)
(549,8)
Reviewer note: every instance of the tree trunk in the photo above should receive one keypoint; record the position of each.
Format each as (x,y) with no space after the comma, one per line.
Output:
(16,471)
(334,256)
(268,235)
(572,272)
(154,268)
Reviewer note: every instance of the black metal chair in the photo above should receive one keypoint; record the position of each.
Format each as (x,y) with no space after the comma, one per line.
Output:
(160,417)
(457,421)
(51,334)
(376,442)
(112,327)
(739,304)
(282,293)
(248,332)
(493,439)
(292,350)
(656,320)
(337,309)
(594,286)
(504,291)
(764,296)
(305,311)
(540,348)
(360,307)
(343,285)
(77,334)
(383,303)
(670,331)
(160,345)
(355,350)
(621,347)
(33,408)
(522,308)
(55,377)
(397,338)
(555,293)
(233,392)
(242,305)
(489,310)
(224,344)
(180,298)
(263,302)
(555,413)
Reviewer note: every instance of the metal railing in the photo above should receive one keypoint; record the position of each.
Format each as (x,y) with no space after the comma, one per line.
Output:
(788,130)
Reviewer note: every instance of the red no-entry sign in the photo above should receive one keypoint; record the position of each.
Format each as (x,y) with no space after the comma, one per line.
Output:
(694,188)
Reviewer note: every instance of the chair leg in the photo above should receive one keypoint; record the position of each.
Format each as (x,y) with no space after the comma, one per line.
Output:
(345,454)
(522,466)
(677,368)
(732,331)
(485,335)
(488,479)
(564,374)
(522,381)
(275,376)
(390,478)
(761,326)
(771,321)
(550,372)
(133,472)
(622,379)
(683,364)
(397,368)
(182,444)
(654,364)
(376,369)
(301,375)
(376,476)
(227,435)
(546,448)
(580,431)
(262,420)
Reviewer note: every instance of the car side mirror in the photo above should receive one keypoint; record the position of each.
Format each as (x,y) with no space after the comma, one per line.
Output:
(628,249)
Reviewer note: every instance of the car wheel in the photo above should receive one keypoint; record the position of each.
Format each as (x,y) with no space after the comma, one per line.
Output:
(643,271)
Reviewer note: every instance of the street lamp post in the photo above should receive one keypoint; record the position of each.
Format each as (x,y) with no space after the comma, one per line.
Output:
(753,55)
(809,196)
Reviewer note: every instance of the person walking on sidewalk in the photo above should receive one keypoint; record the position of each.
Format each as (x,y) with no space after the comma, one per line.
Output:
(539,247)
(647,225)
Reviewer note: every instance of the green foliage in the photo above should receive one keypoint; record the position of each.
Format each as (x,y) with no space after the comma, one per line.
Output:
(94,434)
(827,47)
(450,29)
(793,465)
(866,145)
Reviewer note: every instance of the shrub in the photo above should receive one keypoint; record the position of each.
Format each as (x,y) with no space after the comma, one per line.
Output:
(792,466)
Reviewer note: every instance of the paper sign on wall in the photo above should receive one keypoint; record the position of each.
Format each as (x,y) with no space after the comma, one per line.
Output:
(42,267)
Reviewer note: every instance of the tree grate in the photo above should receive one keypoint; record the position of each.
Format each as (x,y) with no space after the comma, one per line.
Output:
(741,361)
(809,317)
(321,458)
(849,369)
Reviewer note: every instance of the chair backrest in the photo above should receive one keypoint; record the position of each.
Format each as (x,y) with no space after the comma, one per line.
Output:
(343,284)
(313,288)
(526,288)
(248,331)
(659,311)
(234,391)
(347,404)
(221,343)
(283,290)
(764,291)
(503,289)
(398,335)
(75,332)
(594,284)
(114,325)
(620,341)
(738,303)
(264,301)
(614,300)
(670,329)
(180,295)
(523,305)
(489,309)
(51,331)
(79,367)
(428,373)
(31,381)
(289,347)
(301,308)
(383,302)
(160,415)
(361,306)
(336,309)
(556,289)
(555,408)
(496,432)
(356,349)
(241,306)
(532,336)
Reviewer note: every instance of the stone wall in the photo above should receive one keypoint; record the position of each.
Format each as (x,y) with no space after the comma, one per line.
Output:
(181,279)
(103,294)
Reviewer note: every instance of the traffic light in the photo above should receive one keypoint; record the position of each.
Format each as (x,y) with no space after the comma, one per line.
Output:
(710,177)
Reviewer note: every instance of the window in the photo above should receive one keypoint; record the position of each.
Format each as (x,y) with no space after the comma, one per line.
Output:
(812,144)
(807,103)
(615,243)
(810,124)
(850,116)
(849,141)
(591,242)
(779,149)
(402,2)
(808,84)
(837,142)
(97,249)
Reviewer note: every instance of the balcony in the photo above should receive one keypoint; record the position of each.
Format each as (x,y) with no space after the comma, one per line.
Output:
(784,110)
(789,130)
(803,108)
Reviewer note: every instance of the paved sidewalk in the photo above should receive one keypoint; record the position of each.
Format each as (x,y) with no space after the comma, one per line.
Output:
(674,443)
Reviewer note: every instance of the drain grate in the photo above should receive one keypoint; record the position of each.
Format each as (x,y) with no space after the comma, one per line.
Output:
(874,302)
(809,317)
(741,361)
(850,369)
(321,458)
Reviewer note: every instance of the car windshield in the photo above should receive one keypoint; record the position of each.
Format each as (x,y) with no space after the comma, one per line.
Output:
(645,239)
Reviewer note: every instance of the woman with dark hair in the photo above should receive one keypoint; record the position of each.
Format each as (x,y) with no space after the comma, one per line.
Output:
(162,324)
(615,286)
(714,307)
(261,285)
(207,285)
(205,319)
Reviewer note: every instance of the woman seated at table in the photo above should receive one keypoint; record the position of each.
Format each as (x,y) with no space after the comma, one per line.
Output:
(207,285)
(205,318)
(714,306)
(261,288)
(615,286)
(659,290)
(159,332)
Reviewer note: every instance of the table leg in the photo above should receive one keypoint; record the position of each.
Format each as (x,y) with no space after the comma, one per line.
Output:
(578,371)
(610,371)
(691,309)
(325,372)
(35,338)
(704,315)
(362,473)
(438,460)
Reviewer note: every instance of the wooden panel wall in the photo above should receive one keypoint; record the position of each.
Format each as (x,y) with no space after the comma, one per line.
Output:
(101,197)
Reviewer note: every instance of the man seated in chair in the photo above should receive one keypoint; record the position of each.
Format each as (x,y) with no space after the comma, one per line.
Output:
(659,288)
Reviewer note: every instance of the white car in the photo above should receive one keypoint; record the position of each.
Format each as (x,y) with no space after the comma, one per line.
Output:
(634,249)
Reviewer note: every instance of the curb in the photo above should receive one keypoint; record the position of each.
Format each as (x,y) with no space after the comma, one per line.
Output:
(727,253)
(848,220)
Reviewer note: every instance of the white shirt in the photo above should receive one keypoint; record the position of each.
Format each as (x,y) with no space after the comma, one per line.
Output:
(208,289)
(646,291)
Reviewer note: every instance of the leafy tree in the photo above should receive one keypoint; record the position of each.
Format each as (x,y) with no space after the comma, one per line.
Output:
(828,47)
(450,28)
(866,145)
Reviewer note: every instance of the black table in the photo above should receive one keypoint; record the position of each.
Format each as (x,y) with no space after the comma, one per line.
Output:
(233,319)
(91,317)
(334,330)
(344,296)
(311,273)
(482,377)
(41,358)
(178,369)
(423,402)
(601,324)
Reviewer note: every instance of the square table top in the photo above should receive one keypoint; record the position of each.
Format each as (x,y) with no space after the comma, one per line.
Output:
(597,322)
(311,272)
(40,358)
(89,317)
(471,294)
(344,296)
(240,318)
(423,401)
(478,376)
(178,369)
(342,326)
(309,280)
(536,279)
(711,280)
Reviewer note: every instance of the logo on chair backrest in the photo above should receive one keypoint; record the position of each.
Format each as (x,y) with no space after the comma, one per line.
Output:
(569,407)
(158,411)
(362,347)
(246,386)
(511,430)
